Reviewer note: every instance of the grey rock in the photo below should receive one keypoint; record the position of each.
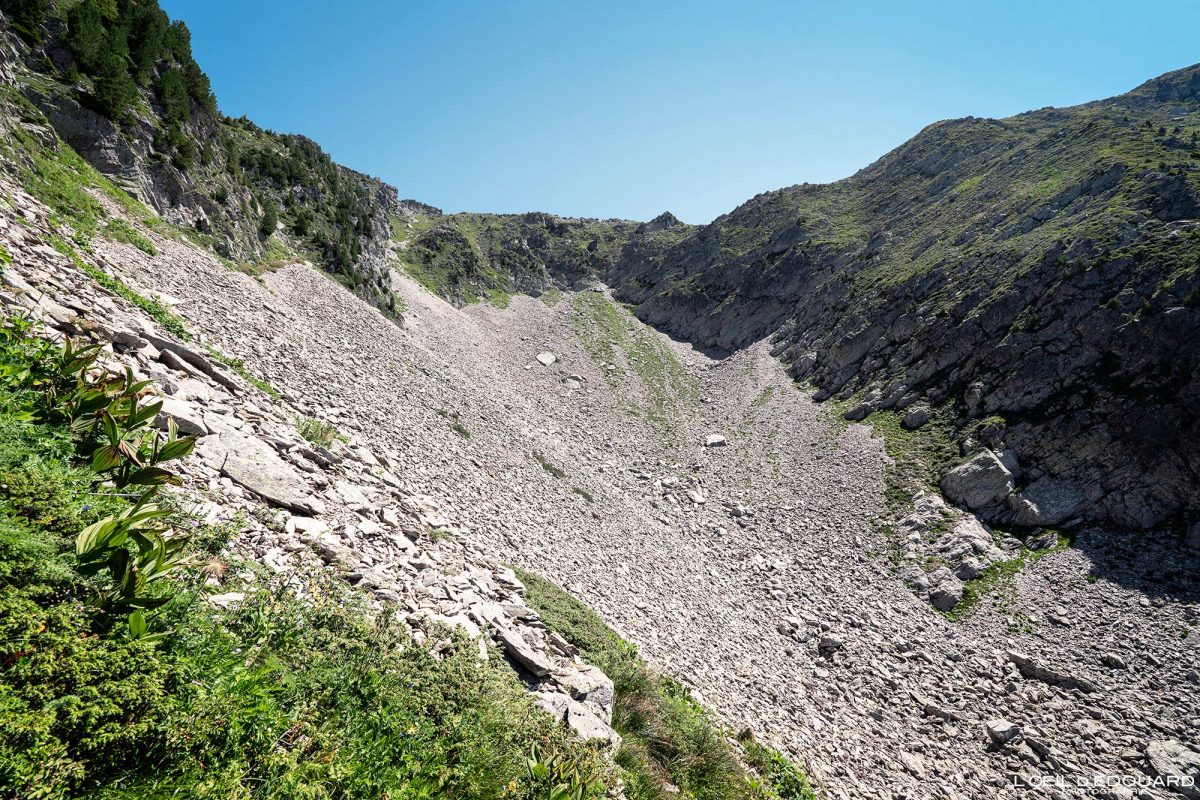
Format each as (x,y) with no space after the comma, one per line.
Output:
(227,600)
(1002,731)
(1046,501)
(532,661)
(715,440)
(250,462)
(130,340)
(546,358)
(588,684)
(947,594)
(1045,540)
(916,416)
(589,726)
(1177,765)
(185,416)
(859,412)
(1031,669)
(199,362)
(978,482)
(829,645)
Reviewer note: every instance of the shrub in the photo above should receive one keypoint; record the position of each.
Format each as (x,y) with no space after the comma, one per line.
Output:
(28,17)
(318,431)
(121,231)
(270,220)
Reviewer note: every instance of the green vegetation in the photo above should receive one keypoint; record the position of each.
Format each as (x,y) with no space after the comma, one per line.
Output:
(28,17)
(549,466)
(241,370)
(328,220)
(58,177)
(455,422)
(468,257)
(920,458)
(669,743)
(121,231)
(605,329)
(130,62)
(275,699)
(120,44)
(319,432)
(996,582)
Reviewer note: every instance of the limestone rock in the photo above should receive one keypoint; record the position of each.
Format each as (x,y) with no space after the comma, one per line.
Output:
(185,415)
(1037,671)
(979,482)
(1002,731)
(252,463)
(1178,766)
(534,662)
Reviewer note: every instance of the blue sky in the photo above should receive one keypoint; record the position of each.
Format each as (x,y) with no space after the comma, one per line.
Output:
(626,109)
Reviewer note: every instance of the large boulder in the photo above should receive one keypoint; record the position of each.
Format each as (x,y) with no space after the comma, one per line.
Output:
(250,462)
(981,481)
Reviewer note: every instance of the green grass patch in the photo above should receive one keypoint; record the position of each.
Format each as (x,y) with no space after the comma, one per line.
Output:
(241,370)
(121,231)
(549,466)
(318,431)
(605,329)
(996,582)
(277,256)
(920,458)
(670,744)
(454,421)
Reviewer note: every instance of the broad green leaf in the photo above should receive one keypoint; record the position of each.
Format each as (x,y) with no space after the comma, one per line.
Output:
(137,625)
(105,458)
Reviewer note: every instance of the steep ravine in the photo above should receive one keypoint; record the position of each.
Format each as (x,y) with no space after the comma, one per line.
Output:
(775,597)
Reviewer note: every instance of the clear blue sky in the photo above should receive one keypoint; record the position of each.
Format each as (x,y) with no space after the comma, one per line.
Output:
(626,109)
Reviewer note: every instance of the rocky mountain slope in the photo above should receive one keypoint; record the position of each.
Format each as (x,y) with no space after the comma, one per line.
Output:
(1037,275)
(1016,295)
(710,510)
